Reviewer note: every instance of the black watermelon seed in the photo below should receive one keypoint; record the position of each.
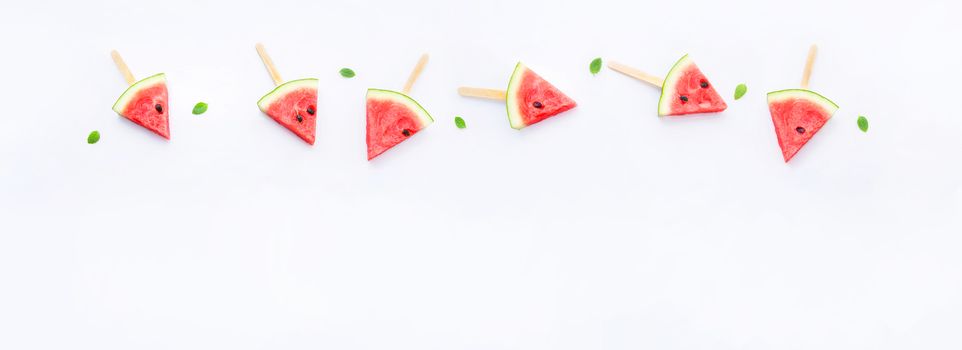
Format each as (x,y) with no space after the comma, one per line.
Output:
(800,130)
(684,98)
(537,104)
(300,119)
(406,132)
(310,110)
(159,108)
(704,84)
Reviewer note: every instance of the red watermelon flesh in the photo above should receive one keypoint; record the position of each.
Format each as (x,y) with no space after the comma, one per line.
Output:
(531,99)
(686,90)
(294,105)
(392,117)
(145,103)
(797,115)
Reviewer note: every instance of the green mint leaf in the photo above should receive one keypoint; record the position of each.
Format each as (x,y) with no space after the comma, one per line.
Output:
(863,123)
(459,122)
(200,108)
(93,137)
(347,73)
(595,66)
(740,91)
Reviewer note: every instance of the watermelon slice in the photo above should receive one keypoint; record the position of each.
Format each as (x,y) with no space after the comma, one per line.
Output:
(293,105)
(532,99)
(686,90)
(145,103)
(798,114)
(392,117)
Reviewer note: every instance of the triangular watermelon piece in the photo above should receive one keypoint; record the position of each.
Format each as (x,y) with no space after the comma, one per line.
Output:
(145,103)
(392,117)
(686,90)
(294,105)
(798,114)
(532,99)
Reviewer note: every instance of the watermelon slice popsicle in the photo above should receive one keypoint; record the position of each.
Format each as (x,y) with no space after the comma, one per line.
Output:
(530,98)
(685,90)
(393,117)
(292,104)
(145,101)
(799,113)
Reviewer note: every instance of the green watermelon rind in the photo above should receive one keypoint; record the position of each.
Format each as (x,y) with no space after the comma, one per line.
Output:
(265,102)
(134,88)
(810,95)
(671,80)
(514,114)
(381,94)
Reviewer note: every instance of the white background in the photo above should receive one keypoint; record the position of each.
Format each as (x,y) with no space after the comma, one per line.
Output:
(604,228)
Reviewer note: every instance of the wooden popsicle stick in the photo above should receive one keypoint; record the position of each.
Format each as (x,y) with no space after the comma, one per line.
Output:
(122,66)
(809,62)
(269,64)
(635,73)
(482,93)
(415,74)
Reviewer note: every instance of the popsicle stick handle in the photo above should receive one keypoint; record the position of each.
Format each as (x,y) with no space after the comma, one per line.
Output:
(423,61)
(491,94)
(122,66)
(637,74)
(809,62)
(269,64)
